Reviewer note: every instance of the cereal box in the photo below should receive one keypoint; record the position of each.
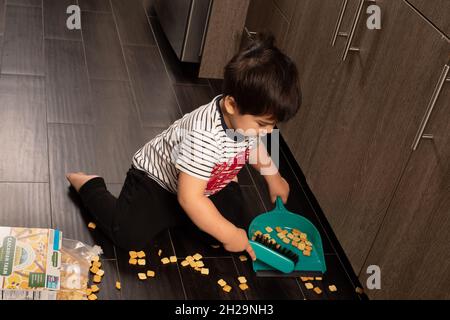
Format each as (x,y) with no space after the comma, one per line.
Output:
(30,262)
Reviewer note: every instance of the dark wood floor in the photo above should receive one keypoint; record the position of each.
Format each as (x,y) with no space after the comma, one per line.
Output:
(86,101)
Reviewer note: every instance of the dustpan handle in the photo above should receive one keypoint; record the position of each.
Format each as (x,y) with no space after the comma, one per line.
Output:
(279,204)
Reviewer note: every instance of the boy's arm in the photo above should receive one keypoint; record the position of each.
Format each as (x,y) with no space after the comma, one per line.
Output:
(202,211)
(261,160)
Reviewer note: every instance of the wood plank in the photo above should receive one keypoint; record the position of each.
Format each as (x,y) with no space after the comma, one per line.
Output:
(103,51)
(2,16)
(205,287)
(165,285)
(267,288)
(25,205)
(191,97)
(33,3)
(152,87)
(67,83)
(23,41)
(132,22)
(71,149)
(55,20)
(223,37)
(23,134)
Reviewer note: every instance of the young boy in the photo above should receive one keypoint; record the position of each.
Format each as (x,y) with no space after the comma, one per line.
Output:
(190,169)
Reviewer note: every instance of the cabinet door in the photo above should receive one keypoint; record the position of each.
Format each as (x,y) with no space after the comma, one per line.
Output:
(377,103)
(308,43)
(264,15)
(413,245)
(437,11)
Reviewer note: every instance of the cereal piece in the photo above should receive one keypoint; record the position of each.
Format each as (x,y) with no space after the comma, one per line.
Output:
(92,225)
(307,253)
(257,232)
(97,279)
(308,248)
(118,286)
(222,283)
(226,288)
(310,278)
(278,246)
(319,278)
(294,244)
(165,260)
(133,254)
(97,264)
(308,243)
(309,285)
(332,288)
(285,232)
(142,276)
(95,288)
(173,259)
(290,236)
(301,246)
(243,286)
(193,264)
(281,235)
(204,271)
(197,256)
(295,231)
(94,270)
(133,261)
(151,273)
(243,258)
(159,252)
(297,239)
(100,273)
(197,269)
(141,254)
(286,240)
(317,290)
(200,264)
(269,229)
(303,236)
(304,279)
(189,258)
(278,229)
(141,262)
(92,297)
(242,279)
(88,291)
(267,236)
(184,263)
(95,259)
(359,290)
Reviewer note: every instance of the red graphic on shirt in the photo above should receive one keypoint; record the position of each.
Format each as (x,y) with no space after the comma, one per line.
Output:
(223,173)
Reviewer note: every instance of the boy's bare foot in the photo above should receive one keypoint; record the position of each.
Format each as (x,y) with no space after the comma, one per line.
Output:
(78,179)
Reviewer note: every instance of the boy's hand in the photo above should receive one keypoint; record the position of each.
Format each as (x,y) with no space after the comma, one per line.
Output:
(239,242)
(278,186)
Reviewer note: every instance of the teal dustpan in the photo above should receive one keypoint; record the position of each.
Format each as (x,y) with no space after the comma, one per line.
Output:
(279,262)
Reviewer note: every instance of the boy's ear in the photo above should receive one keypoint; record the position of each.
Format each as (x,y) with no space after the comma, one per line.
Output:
(230,105)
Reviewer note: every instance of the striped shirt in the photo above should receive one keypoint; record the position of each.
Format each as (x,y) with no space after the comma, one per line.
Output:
(199,144)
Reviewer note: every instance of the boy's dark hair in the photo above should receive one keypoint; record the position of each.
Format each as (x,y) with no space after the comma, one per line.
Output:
(263,81)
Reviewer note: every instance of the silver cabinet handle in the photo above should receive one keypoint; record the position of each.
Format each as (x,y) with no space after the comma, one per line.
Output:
(336,32)
(437,91)
(250,34)
(348,45)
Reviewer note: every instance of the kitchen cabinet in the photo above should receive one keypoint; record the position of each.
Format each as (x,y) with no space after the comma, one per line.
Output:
(412,247)
(352,137)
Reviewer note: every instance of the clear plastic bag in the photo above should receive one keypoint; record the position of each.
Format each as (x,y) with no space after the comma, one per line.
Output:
(76,260)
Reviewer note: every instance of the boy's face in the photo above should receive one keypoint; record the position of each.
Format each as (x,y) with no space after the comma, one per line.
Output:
(246,124)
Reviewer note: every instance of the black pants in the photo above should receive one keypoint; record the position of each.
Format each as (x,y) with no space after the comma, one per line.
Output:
(144,209)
